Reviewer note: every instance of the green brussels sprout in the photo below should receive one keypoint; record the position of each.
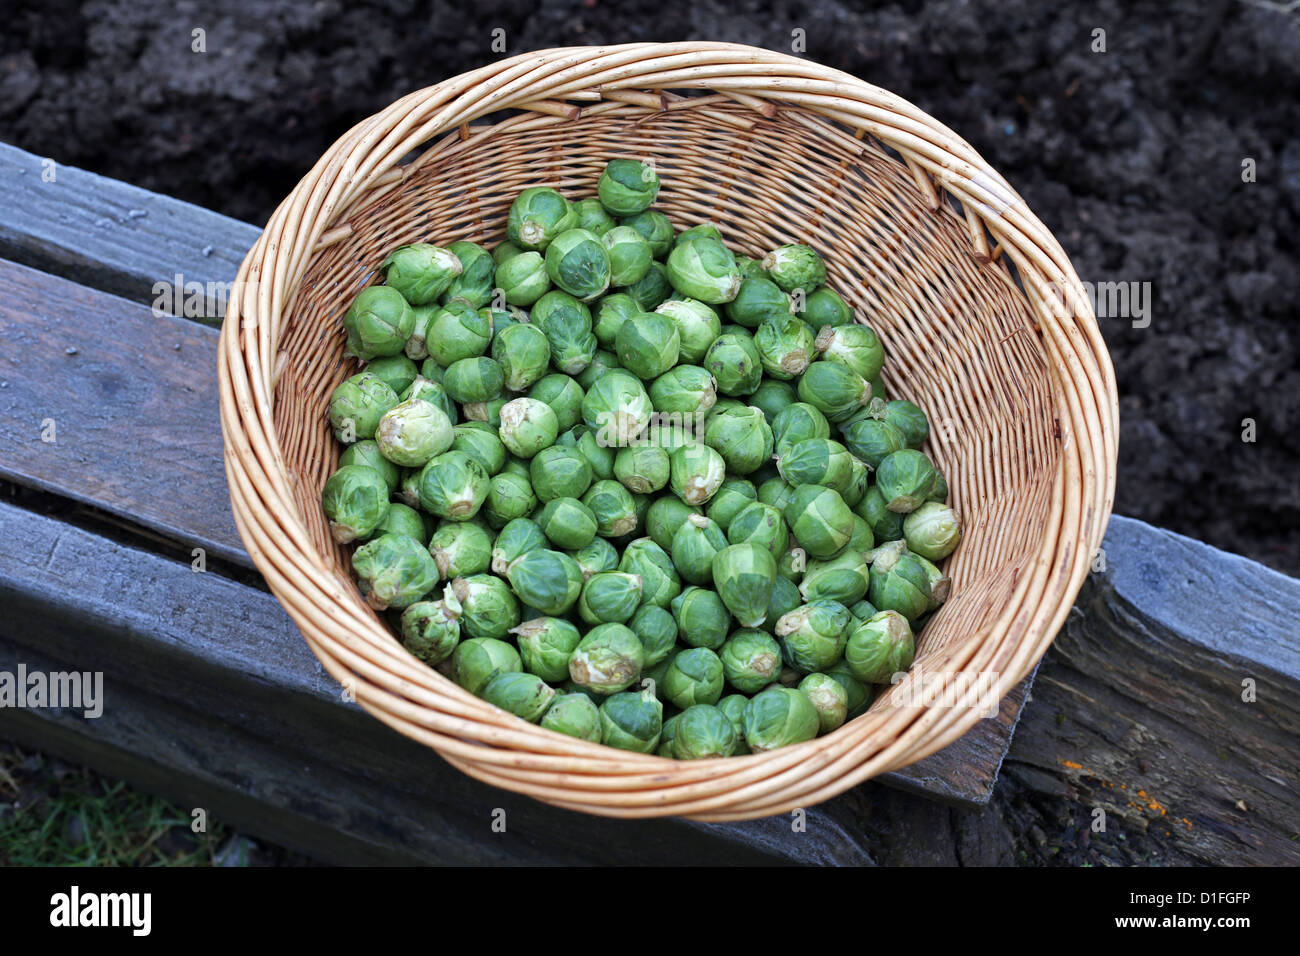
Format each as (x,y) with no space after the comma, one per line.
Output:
(366,452)
(778,717)
(477,660)
(567,324)
(863,610)
(430,370)
(695,676)
(537,216)
(694,546)
(477,270)
(521,355)
(610,597)
(785,598)
(550,581)
(458,331)
(797,423)
(863,539)
(856,346)
(528,426)
(599,456)
(813,636)
(412,432)
(568,523)
(559,472)
(510,496)
(939,492)
(885,525)
(859,482)
(488,607)
(683,390)
(452,485)
(844,578)
(733,496)
(696,473)
(408,489)
(733,706)
(792,564)
(517,538)
(652,289)
(785,346)
(545,645)
(355,499)
(599,555)
(617,409)
(750,267)
(880,647)
(859,693)
(402,519)
(631,722)
(592,216)
(734,363)
(647,344)
(751,660)
(907,417)
(461,549)
(655,227)
(744,575)
(613,508)
(665,748)
(905,479)
(563,394)
(433,392)
(762,525)
(741,436)
(825,307)
(504,318)
(940,583)
(932,531)
(702,619)
(525,695)
(899,582)
(705,230)
(608,659)
(795,266)
(703,732)
(417,343)
(817,461)
(629,255)
(758,300)
(775,492)
(602,363)
(420,272)
(357,405)
(660,582)
(504,252)
(819,519)
(642,469)
(578,263)
(611,312)
(489,411)
(829,698)
(627,187)
(394,571)
(697,326)
(657,631)
(396,371)
(665,516)
(480,441)
(833,389)
(574,715)
(431,629)
(773,397)
(703,268)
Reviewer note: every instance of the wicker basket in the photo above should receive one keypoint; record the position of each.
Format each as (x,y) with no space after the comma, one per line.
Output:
(986,324)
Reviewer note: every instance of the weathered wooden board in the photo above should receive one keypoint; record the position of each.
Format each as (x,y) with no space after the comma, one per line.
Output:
(137,434)
(113,236)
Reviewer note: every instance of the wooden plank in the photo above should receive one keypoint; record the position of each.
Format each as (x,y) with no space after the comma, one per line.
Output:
(146,402)
(113,236)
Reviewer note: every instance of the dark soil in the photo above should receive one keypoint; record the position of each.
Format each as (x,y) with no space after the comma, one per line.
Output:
(1133,156)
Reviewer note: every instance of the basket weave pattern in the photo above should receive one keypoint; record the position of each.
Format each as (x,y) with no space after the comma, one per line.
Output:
(1014,375)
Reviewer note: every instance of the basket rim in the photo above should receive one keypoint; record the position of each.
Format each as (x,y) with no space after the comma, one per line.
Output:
(496,747)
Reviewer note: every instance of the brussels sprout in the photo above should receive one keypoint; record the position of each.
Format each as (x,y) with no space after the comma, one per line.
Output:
(527,426)
(488,606)
(642,469)
(355,499)
(817,461)
(905,416)
(452,485)
(652,289)
(778,717)
(758,300)
(695,676)
(785,346)
(568,523)
(772,397)
(858,692)
(430,370)
(795,266)
(885,525)
(655,227)
(559,472)
(502,319)
(489,411)
(853,345)
(601,364)
(613,508)
(627,187)
(547,580)
(844,579)
(785,598)
(829,698)
(504,252)
(751,660)
(510,496)
(905,479)
(357,406)
(599,457)
(396,371)
(696,473)
(665,516)
(591,215)
(394,571)
(775,492)
(629,255)
(474,282)
(521,355)
(433,392)
(477,660)
(420,272)
(697,326)
(704,230)
(940,583)
(939,492)
(819,519)
(458,331)
(578,263)
(665,748)
(741,436)
(631,722)
(702,619)
(563,394)
(733,496)
(932,531)
(480,442)
(657,631)
(477,379)
(537,216)
(826,307)
(863,610)
(880,647)
(599,555)
(417,343)
(899,582)
(608,659)
(647,344)
(762,525)
(744,575)
(408,490)
(609,597)
(367,453)
(797,423)
(545,645)
(567,325)
(431,629)
(524,695)
(694,545)
(574,715)
(402,519)
(863,539)
(683,390)
(517,538)
(834,389)
(617,409)
(660,582)
(461,549)
(703,268)
(813,636)
(733,706)
(792,564)
(611,312)
(703,732)
(734,363)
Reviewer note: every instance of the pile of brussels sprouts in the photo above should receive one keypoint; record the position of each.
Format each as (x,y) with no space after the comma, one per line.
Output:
(668,508)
